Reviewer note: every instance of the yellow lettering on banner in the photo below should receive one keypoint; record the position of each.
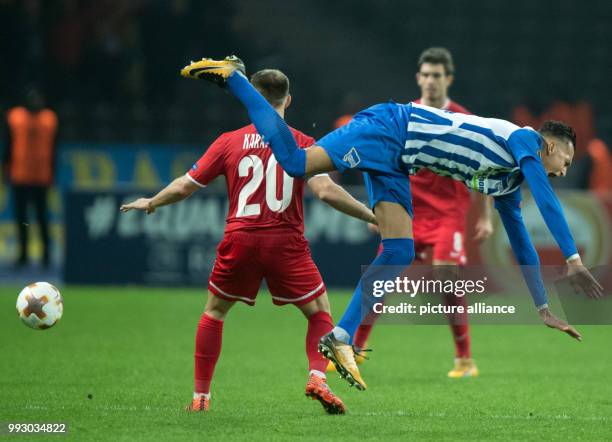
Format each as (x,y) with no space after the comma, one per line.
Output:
(145,175)
(92,170)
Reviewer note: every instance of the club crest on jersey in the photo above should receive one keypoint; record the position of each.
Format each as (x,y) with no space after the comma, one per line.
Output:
(352,158)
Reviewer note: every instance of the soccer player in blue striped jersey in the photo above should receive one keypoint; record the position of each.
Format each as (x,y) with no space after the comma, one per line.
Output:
(391,141)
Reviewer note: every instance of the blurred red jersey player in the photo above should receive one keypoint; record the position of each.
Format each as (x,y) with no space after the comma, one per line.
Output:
(440,209)
(264,239)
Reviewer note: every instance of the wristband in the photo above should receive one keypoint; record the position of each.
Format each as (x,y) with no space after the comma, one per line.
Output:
(574,256)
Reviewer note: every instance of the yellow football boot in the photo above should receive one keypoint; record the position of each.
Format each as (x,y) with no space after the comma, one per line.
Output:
(359,355)
(464,368)
(217,71)
(343,358)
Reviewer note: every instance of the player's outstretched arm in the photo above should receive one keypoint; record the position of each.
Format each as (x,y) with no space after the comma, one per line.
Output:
(551,211)
(177,190)
(336,196)
(509,210)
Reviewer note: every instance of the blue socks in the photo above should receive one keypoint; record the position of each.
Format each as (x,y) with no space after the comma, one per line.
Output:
(270,125)
(397,253)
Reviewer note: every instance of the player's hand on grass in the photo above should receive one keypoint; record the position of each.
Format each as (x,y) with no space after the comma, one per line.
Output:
(139,204)
(552,321)
(483,228)
(582,281)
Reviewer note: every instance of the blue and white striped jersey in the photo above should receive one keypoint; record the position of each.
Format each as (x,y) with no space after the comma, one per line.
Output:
(468,148)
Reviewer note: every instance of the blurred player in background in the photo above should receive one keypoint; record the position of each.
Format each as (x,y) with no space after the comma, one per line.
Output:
(29,166)
(391,141)
(264,238)
(440,208)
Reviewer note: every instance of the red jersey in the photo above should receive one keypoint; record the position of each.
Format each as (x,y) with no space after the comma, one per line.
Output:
(435,196)
(261,194)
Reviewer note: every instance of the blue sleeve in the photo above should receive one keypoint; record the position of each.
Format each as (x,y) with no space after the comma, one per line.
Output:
(549,206)
(524,144)
(509,210)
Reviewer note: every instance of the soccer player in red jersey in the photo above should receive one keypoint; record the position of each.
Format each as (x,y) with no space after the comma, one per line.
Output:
(264,238)
(440,208)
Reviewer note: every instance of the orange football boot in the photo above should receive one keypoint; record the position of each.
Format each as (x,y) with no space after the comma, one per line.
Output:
(199,404)
(316,388)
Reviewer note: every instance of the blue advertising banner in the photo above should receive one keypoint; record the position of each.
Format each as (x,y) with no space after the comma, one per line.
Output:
(176,245)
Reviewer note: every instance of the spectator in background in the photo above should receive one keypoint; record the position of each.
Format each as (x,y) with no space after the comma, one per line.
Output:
(600,179)
(29,165)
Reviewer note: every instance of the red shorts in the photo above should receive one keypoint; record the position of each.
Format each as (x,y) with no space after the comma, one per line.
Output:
(446,237)
(283,259)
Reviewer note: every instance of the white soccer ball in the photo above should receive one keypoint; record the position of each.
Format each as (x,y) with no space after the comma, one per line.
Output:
(40,305)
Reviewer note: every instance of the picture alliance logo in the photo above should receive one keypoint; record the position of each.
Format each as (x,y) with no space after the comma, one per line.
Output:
(411,287)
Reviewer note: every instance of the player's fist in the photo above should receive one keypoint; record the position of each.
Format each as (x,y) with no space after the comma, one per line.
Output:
(140,204)
(552,321)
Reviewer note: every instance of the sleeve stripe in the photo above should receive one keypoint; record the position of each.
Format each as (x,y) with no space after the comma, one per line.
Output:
(193,180)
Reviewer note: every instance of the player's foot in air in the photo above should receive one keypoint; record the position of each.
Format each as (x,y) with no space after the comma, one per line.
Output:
(359,355)
(464,368)
(341,355)
(198,404)
(217,71)
(316,388)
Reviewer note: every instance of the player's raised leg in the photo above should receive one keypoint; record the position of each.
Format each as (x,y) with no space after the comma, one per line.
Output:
(398,251)
(229,73)
(207,349)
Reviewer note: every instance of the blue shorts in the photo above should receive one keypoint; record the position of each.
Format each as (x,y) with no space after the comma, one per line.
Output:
(373,142)
(391,188)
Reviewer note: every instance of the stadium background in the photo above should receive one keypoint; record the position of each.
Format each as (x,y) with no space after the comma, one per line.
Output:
(129,123)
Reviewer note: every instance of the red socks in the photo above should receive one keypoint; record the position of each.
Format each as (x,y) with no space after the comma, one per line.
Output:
(207,350)
(319,324)
(361,335)
(459,327)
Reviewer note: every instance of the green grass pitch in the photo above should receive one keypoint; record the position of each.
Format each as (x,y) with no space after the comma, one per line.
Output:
(119,367)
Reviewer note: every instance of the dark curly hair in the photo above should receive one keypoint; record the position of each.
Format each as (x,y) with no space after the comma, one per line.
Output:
(558,129)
